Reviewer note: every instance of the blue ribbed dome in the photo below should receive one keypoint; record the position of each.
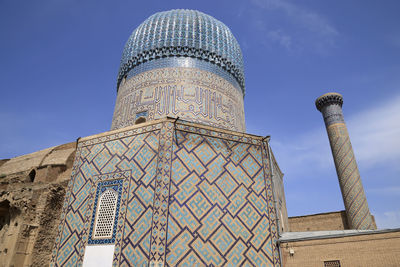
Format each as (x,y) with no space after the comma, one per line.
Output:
(183,33)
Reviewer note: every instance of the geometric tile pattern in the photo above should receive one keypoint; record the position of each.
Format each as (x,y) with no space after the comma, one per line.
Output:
(353,194)
(161,196)
(188,196)
(130,156)
(219,209)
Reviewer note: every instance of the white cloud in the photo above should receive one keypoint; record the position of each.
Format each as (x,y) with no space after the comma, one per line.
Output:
(297,156)
(315,30)
(306,18)
(280,37)
(374,133)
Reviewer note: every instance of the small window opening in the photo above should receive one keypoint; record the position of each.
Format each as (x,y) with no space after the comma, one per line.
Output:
(335,263)
(141,117)
(32,175)
(105,214)
(140,120)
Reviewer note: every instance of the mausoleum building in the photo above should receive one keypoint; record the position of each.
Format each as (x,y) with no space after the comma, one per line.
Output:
(177,181)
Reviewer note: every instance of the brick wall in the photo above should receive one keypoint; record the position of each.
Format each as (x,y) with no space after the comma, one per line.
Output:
(378,249)
(319,222)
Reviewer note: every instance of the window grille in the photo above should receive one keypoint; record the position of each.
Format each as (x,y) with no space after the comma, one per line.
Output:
(335,263)
(105,214)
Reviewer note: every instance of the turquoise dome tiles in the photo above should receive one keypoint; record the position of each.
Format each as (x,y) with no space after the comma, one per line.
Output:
(187,33)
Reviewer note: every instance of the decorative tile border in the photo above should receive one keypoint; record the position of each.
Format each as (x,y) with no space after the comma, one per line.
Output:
(73,230)
(120,134)
(242,151)
(191,93)
(161,198)
(122,177)
(116,185)
(218,212)
(193,128)
(270,200)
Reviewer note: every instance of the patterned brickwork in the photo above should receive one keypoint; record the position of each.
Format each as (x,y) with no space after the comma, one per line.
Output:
(219,209)
(161,198)
(183,62)
(130,156)
(187,196)
(189,93)
(349,178)
(355,202)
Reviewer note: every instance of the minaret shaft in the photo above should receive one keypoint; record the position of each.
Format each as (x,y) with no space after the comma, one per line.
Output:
(354,198)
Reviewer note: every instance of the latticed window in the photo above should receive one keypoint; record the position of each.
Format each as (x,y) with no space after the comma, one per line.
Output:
(335,263)
(105,214)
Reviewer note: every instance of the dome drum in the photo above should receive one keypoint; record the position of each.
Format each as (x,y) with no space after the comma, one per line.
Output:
(181,63)
(182,52)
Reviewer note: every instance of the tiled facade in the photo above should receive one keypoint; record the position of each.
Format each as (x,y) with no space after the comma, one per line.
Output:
(188,93)
(180,191)
(184,62)
(190,195)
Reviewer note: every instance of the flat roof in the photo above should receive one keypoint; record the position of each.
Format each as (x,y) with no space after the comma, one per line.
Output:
(312,235)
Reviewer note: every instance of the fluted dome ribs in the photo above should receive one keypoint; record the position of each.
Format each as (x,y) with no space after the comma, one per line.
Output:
(186,33)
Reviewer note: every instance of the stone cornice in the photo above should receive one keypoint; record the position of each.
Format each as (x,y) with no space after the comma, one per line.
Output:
(329,99)
(157,53)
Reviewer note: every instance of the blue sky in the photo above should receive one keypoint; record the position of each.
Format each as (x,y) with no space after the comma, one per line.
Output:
(59,62)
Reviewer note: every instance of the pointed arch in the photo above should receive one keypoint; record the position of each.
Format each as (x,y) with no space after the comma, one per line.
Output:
(105,215)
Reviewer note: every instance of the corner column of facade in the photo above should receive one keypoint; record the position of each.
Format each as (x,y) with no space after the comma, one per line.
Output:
(355,201)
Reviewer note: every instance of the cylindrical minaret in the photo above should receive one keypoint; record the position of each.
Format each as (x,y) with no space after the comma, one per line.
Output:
(355,202)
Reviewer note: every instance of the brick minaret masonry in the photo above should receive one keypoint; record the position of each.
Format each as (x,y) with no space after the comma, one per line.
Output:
(355,202)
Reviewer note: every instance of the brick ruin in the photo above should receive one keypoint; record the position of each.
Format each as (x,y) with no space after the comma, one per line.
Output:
(32,189)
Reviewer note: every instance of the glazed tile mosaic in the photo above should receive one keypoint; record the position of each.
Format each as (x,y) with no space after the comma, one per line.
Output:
(189,93)
(355,201)
(129,156)
(187,33)
(353,193)
(187,196)
(183,62)
(219,209)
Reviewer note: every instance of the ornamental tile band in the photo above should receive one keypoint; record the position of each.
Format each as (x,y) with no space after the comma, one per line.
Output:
(189,93)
